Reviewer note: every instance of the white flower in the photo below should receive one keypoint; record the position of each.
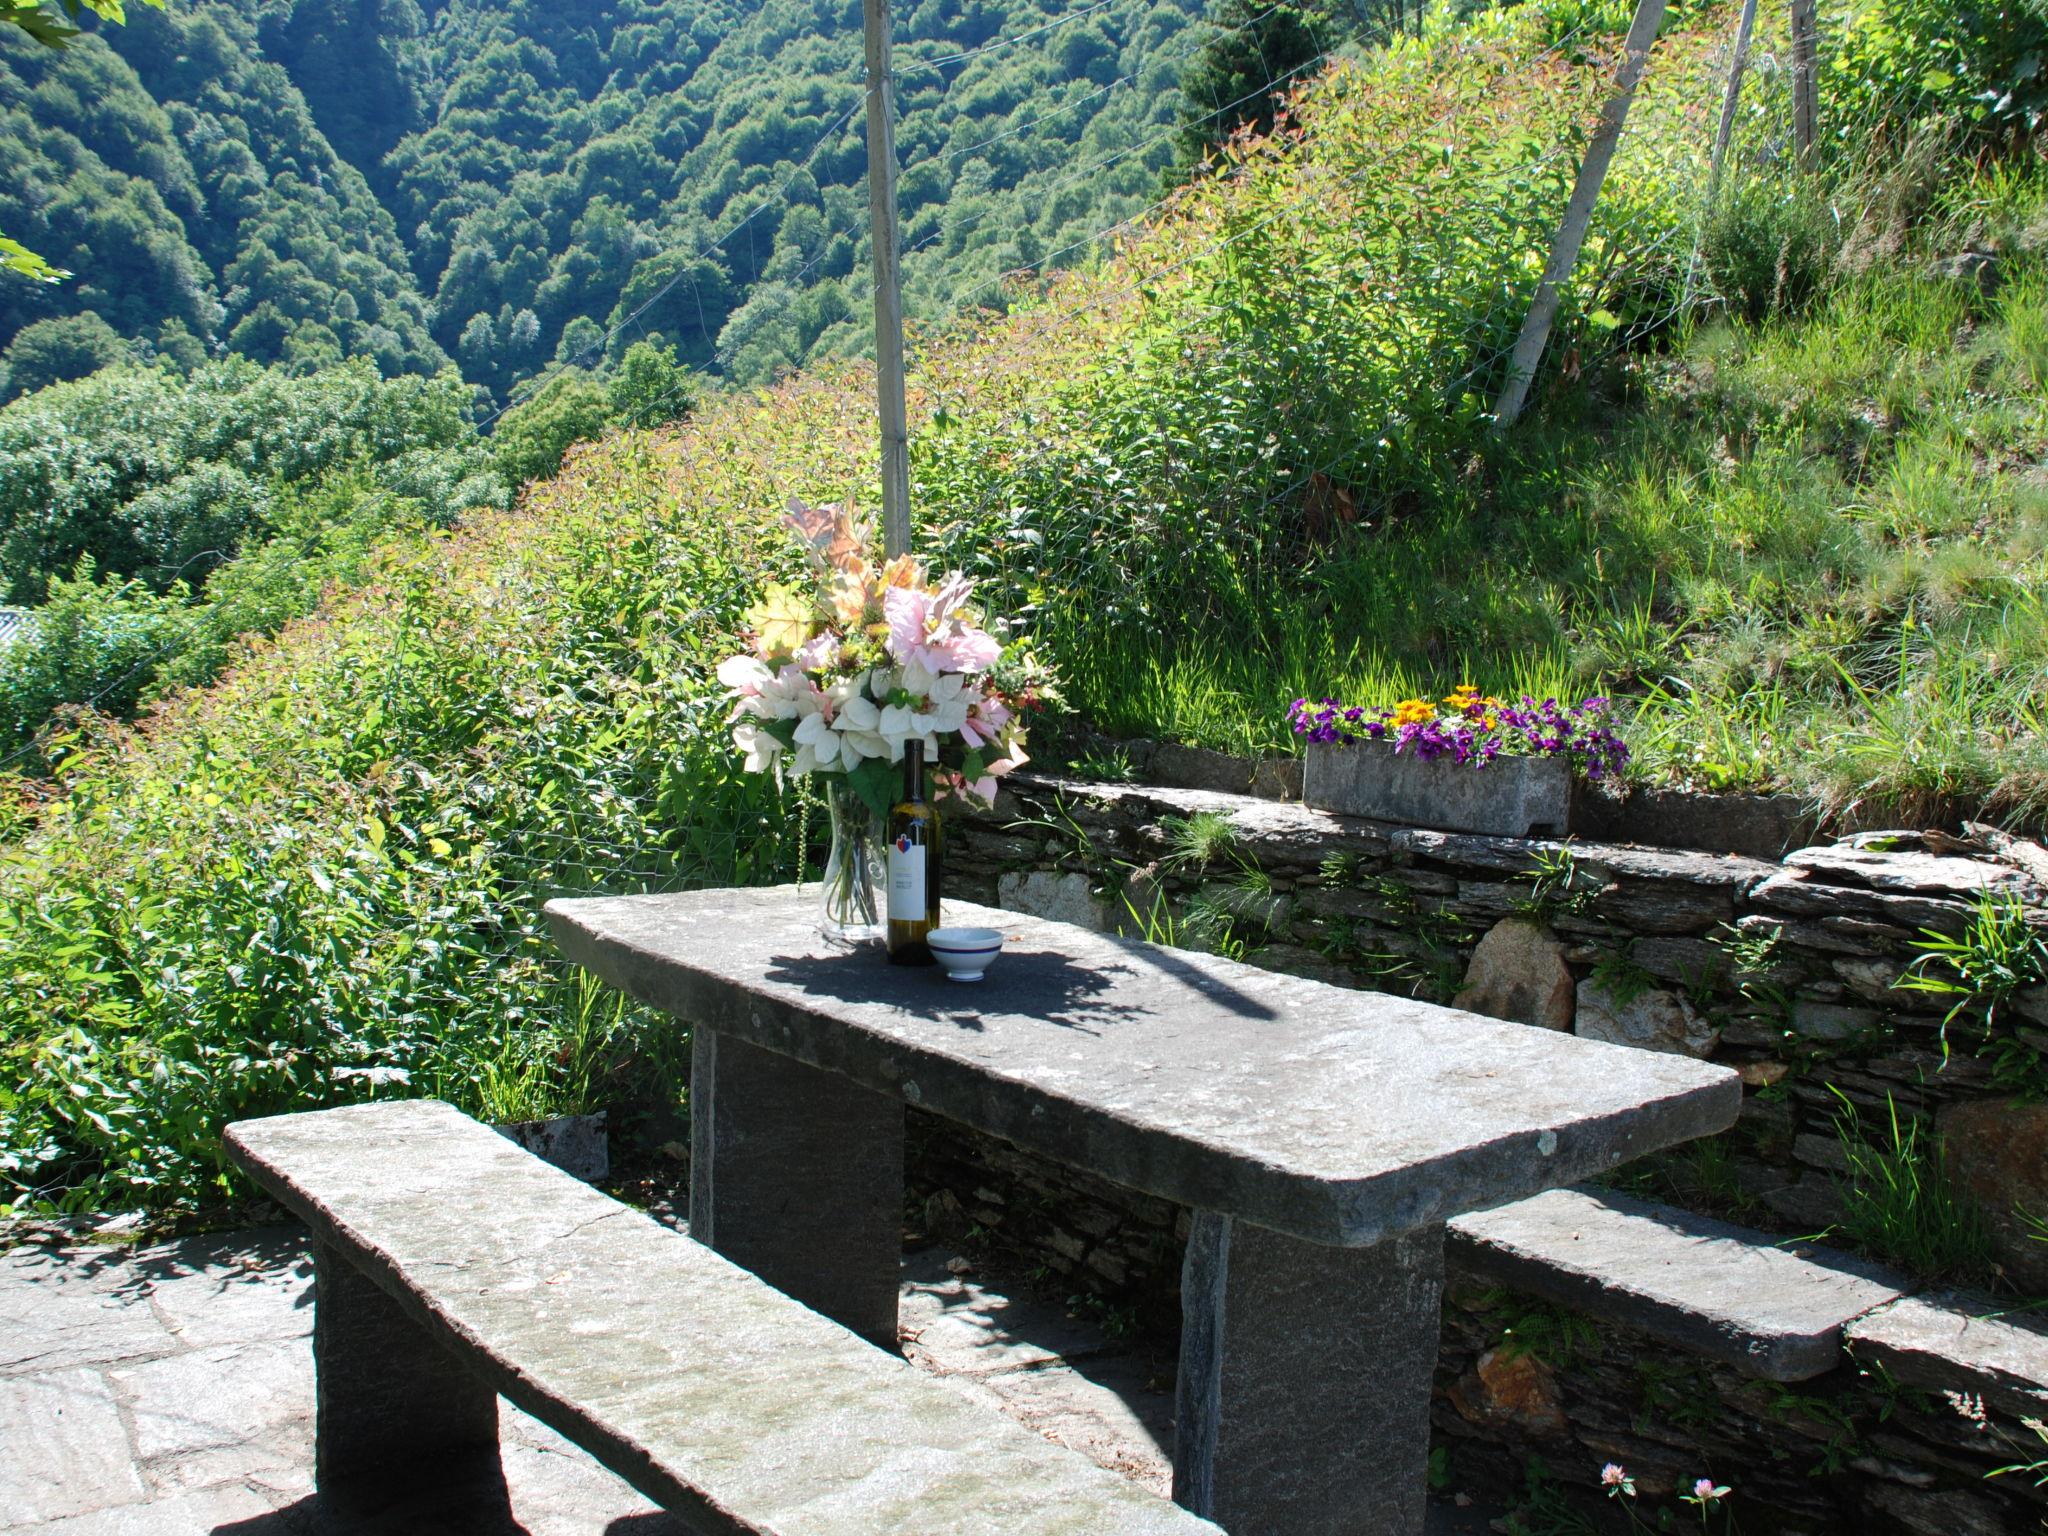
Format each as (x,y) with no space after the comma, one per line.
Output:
(761,747)
(818,746)
(744,674)
(859,727)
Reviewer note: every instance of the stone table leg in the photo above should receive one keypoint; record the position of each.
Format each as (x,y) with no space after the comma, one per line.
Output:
(393,1410)
(797,1175)
(1303,1399)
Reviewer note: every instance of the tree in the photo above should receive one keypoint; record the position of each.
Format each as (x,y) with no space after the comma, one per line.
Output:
(650,386)
(68,347)
(1241,74)
(532,437)
(33,18)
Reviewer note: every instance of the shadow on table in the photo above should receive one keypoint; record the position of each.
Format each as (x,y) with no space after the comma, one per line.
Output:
(1045,985)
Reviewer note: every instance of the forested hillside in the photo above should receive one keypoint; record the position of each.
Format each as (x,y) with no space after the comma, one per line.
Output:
(508,185)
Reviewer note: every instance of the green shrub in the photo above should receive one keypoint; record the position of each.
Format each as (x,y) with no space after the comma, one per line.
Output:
(1769,245)
(65,347)
(96,642)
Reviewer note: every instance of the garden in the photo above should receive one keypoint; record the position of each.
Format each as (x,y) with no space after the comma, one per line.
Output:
(1776,522)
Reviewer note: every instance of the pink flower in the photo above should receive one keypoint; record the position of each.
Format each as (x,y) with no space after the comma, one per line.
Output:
(1704,1492)
(1614,1477)
(932,628)
(985,721)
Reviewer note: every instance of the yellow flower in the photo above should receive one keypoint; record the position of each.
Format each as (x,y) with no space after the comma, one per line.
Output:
(1413,711)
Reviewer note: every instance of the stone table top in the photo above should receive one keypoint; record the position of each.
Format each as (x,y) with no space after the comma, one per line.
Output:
(1336,1116)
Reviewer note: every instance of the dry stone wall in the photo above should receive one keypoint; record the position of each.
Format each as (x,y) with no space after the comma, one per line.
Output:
(1789,969)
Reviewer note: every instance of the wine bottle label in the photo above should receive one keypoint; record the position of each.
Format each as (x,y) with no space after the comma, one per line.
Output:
(906,881)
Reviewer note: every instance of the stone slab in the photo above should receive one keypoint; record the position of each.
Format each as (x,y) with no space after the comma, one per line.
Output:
(58,1311)
(954,1325)
(1955,1342)
(1302,1401)
(1756,826)
(713,1394)
(1791,891)
(229,1510)
(1911,874)
(188,1434)
(796,1175)
(67,1452)
(1336,1116)
(1728,1293)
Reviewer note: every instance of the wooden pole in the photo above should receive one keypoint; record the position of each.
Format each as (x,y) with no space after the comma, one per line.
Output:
(1805,87)
(1745,24)
(888,283)
(1725,134)
(1578,214)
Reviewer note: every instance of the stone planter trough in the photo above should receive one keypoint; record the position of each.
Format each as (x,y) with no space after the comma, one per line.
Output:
(1510,797)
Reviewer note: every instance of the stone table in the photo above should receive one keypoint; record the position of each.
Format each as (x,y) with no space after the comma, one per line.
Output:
(1322,1137)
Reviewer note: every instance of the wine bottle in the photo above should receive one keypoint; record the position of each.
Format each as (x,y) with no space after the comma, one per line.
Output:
(914,857)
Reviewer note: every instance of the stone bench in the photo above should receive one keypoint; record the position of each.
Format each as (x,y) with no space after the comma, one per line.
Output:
(1769,1308)
(451,1267)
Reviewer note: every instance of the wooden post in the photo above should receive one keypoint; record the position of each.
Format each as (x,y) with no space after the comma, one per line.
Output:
(1578,213)
(1744,26)
(1805,87)
(888,283)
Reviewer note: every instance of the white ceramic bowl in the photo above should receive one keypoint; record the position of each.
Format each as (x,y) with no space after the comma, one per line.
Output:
(964,954)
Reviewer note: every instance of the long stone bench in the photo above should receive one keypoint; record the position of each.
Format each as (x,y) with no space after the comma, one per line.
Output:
(451,1267)
(1771,1309)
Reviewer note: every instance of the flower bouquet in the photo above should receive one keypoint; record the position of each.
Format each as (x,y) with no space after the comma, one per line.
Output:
(1409,761)
(838,679)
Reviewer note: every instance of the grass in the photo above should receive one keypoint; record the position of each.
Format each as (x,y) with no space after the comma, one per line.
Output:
(1806,554)
(1899,1204)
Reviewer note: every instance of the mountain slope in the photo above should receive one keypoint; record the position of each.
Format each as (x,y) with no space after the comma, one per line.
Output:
(504,184)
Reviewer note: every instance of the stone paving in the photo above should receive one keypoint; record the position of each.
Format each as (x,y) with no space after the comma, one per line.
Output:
(168,1391)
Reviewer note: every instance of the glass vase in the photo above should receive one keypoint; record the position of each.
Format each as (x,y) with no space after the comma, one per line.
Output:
(847,911)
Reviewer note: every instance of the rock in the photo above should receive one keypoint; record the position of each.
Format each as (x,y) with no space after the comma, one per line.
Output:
(1793,892)
(1872,978)
(1654,1020)
(576,1144)
(1831,1021)
(1687,961)
(1201,768)
(1974,269)
(1295,960)
(1912,874)
(2032,1004)
(1954,1342)
(1064,898)
(1763,1074)
(1518,973)
(1666,906)
(1517,1388)
(1998,1155)
(1950,1512)
(1822,1152)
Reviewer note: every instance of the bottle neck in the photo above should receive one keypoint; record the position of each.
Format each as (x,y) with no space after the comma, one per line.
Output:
(913,770)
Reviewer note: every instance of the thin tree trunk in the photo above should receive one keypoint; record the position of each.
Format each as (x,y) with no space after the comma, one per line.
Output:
(1578,214)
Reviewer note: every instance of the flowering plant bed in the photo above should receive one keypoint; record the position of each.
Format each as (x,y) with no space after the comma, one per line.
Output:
(839,678)
(1414,761)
